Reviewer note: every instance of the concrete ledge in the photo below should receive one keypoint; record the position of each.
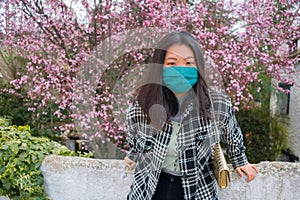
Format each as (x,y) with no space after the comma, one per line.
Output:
(276,181)
(74,178)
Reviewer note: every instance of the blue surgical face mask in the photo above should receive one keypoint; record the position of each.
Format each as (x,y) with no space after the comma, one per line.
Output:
(180,79)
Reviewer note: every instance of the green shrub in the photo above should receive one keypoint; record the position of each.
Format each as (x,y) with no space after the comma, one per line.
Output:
(265,135)
(21,156)
(4,122)
(13,106)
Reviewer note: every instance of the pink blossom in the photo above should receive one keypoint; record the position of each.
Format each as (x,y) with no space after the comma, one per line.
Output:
(56,44)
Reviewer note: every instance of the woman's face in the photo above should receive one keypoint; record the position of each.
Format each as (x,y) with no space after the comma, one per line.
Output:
(179,72)
(179,55)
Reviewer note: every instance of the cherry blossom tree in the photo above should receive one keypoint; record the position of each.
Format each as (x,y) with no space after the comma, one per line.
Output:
(244,40)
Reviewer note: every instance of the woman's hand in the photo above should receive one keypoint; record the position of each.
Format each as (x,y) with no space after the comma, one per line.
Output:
(130,164)
(248,169)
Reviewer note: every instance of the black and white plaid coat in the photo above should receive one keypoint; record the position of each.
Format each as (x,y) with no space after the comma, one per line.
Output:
(195,143)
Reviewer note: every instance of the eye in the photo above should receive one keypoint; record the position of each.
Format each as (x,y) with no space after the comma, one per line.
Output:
(171,63)
(190,63)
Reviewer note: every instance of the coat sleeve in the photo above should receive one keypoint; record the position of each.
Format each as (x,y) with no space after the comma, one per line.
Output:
(233,137)
(131,134)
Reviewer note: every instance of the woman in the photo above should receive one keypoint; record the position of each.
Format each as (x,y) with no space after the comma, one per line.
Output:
(171,131)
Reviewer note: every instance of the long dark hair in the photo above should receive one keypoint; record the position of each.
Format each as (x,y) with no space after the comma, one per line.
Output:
(155,93)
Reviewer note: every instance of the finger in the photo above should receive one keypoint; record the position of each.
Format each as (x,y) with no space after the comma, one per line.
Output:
(239,171)
(128,160)
(251,173)
(127,167)
(130,166)
(251,177)
(255,168)
(245,170)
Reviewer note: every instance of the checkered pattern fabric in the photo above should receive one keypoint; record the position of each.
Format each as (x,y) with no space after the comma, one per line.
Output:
(195,144)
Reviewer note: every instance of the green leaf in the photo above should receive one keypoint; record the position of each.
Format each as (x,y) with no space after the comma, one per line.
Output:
(15,149)
(4,147)
(23,146)
(23,156)
(33,158)
(6,184)
(24,128)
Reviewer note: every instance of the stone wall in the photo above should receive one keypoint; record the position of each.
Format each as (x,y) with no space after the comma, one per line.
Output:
(294,116)
(74,178)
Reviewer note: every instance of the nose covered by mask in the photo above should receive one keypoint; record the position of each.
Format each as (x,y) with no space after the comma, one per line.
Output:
(180,79)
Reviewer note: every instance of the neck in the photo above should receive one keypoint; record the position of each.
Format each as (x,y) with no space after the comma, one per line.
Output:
(180,95)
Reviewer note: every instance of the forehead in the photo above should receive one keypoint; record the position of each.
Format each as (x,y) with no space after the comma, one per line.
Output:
(180,50)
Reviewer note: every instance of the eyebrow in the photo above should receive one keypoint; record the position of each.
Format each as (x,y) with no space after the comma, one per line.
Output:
(188,57)
(172,58)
